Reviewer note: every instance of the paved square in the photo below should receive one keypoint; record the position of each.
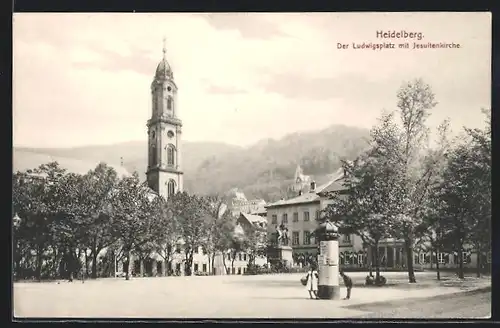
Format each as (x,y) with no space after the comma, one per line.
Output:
(265,296)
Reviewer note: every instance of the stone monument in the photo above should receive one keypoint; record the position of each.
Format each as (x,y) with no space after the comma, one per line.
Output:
(280,250)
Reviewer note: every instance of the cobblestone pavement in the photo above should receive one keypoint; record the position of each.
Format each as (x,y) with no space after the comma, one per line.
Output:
(266,296)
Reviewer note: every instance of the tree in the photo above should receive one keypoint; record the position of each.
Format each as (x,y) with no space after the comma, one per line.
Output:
(255,243)
(40,198)
(190,214)
(97,187)
(166,240)
(466,195)
(132,214)
(219,225)
(366,206)
(479,183)
(406,144)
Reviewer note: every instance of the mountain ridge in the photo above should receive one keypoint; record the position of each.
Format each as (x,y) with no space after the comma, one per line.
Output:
(263,169)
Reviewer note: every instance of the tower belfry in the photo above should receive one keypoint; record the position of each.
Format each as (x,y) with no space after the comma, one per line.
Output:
(164,173)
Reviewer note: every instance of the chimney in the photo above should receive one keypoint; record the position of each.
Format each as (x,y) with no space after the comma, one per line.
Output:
(313,186)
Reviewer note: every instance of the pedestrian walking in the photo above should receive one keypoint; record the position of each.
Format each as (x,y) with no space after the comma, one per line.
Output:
(312,281)
(347,284)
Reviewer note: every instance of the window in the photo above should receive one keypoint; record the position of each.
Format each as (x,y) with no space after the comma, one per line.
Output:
(243,270)
(306,216)
(171,188)
(318,214)
(347,258)
(295,217)
(361,259)
(204,267)
(239,256)
(196,249)
(169,102)
(285,218)
(440,258)
(196,267)
(239,270)
(170,155)
(233,271)
(346,238)
(307,238)
(295,238)
(244,257)
(421,258)
(204,251)
(274,219)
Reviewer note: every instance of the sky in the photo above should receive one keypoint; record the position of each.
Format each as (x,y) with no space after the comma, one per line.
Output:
(84,79)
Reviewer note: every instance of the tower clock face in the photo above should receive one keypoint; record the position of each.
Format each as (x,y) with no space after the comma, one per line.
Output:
(170,134)
(169,88)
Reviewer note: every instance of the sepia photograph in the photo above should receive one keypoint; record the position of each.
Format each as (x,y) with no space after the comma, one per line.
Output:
(251,165)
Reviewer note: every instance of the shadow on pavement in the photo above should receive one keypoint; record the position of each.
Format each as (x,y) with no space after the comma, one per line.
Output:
(306,298)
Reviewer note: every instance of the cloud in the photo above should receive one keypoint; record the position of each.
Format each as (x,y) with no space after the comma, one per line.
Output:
(217,89)
(241,77)
(136,60)
(251,26)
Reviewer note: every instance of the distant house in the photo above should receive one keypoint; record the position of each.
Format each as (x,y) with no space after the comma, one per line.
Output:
(240,204)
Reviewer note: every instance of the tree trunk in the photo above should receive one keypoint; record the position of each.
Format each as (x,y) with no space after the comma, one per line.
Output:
(460,263)
(189,263)
(377,263)
(94,264)
(126,265)
(232,261)
(17,264)
(438,274)
(213,264)
(38,270)
(409,261)
(86,264)
(224,262)
(478,261)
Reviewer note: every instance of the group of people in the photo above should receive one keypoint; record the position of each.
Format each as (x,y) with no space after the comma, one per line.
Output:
(312,278)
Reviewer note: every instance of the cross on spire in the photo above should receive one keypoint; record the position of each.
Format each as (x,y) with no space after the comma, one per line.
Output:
(164,47)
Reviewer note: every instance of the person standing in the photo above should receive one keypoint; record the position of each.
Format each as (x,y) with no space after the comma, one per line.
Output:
(347,284)
(312,281)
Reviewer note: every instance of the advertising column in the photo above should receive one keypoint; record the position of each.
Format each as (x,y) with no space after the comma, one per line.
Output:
(328,285)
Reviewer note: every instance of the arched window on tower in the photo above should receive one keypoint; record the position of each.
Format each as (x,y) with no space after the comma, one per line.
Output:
(170,155)
(170,188)
(169,103)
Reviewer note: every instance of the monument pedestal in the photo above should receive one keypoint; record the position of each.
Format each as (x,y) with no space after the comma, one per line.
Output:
(285,254)
(281,253)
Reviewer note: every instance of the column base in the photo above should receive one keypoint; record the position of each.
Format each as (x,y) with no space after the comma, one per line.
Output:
(329,292)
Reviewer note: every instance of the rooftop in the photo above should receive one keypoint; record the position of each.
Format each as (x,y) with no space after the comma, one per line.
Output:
(310,197)
(254,218)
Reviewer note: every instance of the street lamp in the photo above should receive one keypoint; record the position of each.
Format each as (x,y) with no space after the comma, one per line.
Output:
(16,221)
(327,234)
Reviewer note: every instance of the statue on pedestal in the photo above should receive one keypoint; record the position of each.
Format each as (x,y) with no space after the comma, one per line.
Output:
(281,235)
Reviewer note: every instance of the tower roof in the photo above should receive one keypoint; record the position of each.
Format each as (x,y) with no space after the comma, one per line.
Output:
(163,70)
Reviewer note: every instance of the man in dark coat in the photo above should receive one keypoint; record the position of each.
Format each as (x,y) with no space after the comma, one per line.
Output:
(347,283)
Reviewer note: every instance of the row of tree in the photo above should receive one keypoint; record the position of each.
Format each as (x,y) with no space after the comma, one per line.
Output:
(403,188)
(63,217)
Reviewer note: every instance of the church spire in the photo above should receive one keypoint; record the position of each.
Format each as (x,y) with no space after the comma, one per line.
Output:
(164,48)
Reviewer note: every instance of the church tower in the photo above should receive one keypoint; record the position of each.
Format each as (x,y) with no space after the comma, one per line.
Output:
(164,173)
